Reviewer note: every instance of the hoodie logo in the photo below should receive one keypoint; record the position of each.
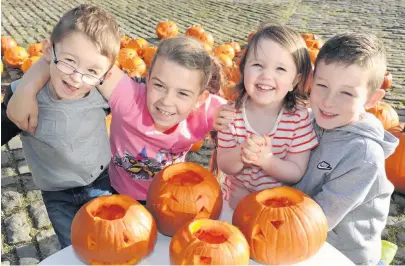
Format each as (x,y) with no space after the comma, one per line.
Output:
(324,166)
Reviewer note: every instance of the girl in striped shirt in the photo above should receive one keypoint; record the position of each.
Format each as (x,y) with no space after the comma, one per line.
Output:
(269,140)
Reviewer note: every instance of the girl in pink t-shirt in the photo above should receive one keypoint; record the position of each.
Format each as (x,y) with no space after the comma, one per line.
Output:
(155,125)
(268,142)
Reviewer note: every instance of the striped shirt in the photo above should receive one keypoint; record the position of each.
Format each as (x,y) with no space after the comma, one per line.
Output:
(292,133)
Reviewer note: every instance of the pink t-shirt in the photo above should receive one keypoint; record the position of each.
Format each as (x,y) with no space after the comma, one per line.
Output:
(138,150)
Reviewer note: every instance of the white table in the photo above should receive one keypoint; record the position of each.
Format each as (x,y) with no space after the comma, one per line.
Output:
(327,255)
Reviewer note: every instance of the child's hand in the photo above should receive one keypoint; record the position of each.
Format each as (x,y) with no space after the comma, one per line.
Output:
(23,111)
(224,116)
(256,150)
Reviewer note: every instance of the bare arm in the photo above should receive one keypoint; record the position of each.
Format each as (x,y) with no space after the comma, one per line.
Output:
(290,170)
(112,79)
(25,95)
(229,160)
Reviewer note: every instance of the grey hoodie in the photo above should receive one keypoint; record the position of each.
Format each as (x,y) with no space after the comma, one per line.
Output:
(346,176)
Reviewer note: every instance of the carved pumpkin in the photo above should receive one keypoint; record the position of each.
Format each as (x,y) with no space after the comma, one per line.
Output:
(124,41)
(28,63)
(394,165)
(182,192)
(135,64)
(15,56)
(35,49)
(167,29)
(148,54)
(194,31)
(282,225)
(386,114)
(207,38)
(113,229)
(225,49)
(139,44)
(209,242)
(387,83)
(124,54)
(7,42)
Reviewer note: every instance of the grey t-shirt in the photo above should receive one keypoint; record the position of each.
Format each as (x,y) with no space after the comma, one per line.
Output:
(70,147)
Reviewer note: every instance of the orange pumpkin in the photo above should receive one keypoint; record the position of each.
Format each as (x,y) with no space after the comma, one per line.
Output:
(15,56)
(124,54)
(35,49)
(209,242)
(182,192)
(149,54)
(386,114)
(233,73)
(250,36)
(124,41)
(282,225)
(225,49)
(229,91)
(113,229)
(7,42)
(139,44)
(394,165)
(235,46)
(387,83)
(313,53)
(194,31)
(207,38)
(135,64)
(197,146)
(108,120)
(225,60)
(28,63)
(167,29)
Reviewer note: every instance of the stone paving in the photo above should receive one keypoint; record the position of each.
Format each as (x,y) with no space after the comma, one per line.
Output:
(27,236)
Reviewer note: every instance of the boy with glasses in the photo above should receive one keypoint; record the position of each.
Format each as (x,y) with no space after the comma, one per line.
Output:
(69,152)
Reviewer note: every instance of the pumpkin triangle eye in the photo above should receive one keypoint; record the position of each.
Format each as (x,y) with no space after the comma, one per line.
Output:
(258,233)
(169,195)
(203,213)
(166,210)
(277,224)
(91,243)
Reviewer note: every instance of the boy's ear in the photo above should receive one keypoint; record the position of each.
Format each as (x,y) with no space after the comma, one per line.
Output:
(375,97)
(47,50)
(201,99)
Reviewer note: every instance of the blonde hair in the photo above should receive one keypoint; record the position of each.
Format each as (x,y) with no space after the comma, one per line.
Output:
(362,49)
(295,45)
(99,25)
(191,54)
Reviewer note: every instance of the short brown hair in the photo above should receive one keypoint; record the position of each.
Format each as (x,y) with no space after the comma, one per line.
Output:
(362,49)
(99,25)
(191,54)
(295,45)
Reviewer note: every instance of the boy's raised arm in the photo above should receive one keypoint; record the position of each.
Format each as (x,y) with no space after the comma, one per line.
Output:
(22,108)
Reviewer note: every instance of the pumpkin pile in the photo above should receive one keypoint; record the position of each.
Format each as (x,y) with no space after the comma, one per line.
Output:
(182,192)
(282,225)
(113,230)
(17,56)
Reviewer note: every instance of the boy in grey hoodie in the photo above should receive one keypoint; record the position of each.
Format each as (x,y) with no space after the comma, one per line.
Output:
(346,173)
